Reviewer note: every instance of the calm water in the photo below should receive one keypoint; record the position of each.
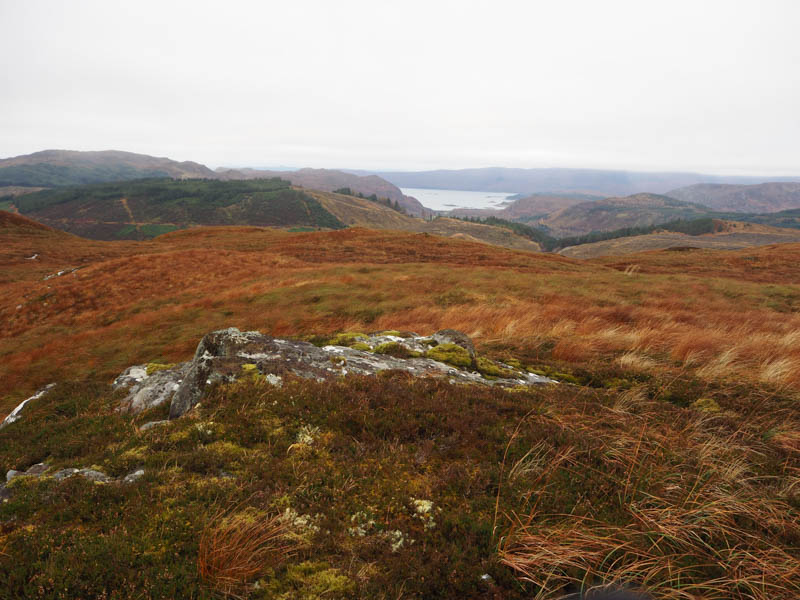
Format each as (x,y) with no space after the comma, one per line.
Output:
(450,199)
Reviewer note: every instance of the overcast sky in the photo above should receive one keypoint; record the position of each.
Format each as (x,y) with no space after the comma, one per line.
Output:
(700,85)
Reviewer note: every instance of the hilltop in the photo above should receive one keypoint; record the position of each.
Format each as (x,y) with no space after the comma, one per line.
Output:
(759,198)
(51,168)
(528,208)
(674,418)
(614,213)
(726,235)
(330,180)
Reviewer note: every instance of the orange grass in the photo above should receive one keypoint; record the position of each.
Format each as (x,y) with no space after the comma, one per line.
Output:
(236,548)
(168,292)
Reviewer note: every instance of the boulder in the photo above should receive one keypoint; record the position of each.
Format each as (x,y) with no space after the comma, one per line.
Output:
(229,354)
(148,391)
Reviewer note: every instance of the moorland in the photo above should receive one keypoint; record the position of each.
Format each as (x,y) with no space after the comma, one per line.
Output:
(666,456)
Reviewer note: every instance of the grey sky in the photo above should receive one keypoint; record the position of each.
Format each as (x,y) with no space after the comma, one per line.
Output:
(702,85)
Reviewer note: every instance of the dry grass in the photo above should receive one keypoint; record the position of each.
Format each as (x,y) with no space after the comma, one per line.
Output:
(731,318)
(236,548)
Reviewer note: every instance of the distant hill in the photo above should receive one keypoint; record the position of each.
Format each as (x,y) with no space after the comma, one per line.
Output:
(52,168)
(586,181)
(329,180)
(759,198)
(144,208)
(615,213)
(727,235)
(360,212)
(529,208)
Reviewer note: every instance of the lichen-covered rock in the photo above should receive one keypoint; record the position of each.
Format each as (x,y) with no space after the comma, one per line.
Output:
(230,354)
(16,414)
(90,474)
(148,388)
(452,336)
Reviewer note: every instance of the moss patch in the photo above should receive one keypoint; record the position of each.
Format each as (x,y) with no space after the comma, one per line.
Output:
(450,354)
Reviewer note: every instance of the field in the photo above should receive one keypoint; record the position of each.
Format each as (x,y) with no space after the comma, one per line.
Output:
(667,457)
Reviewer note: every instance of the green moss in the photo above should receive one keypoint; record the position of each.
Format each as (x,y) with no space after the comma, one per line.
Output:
(450,354)
(708,405)
(395,349)
(361,346)
(392,332)
(308,581)
(155,367)
(338,360)
(489,368)
(346,338)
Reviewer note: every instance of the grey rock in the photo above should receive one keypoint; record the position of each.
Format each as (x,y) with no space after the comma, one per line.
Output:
(11,474)
(16,414)
(64,473)
(37,469)
(152,424)
(453,336)
(221,355)
(5,493)
(148,391)
(89,474)
(133,477)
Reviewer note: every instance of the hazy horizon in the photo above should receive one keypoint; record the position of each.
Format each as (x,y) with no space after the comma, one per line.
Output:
(706,88)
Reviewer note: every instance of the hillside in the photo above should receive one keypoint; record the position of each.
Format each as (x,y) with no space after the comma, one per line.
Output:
(360,212)
(144,208)
(51,168)
(584,181)
(729,235)
(329,180)
(674,421)
(529,208)
(759,198)
(615,213)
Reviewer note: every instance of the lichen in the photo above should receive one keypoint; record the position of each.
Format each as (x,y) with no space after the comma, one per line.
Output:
(347,339)
(154,367)
(708,405)
(451,354)
(489,368)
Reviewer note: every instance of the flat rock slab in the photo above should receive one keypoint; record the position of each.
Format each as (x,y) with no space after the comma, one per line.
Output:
(228,354)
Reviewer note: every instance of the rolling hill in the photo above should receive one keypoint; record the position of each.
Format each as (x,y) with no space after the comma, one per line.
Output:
(528,208)
(143,209)
(52,168)
(585,181)
(727,235)
(615,213)
(758,198)
(329,180)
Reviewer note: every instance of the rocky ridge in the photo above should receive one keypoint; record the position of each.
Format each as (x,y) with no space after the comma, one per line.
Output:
(229,354)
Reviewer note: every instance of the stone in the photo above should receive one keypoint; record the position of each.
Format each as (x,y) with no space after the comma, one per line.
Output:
(228,354)
(133,477)
(16,414)
(89,474)
(149,391)
(453,336)
(11,474)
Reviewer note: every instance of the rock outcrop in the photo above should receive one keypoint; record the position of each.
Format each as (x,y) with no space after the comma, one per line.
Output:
(229,354)
(16,414)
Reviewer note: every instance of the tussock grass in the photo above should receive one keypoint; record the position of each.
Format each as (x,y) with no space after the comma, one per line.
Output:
(238,547)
